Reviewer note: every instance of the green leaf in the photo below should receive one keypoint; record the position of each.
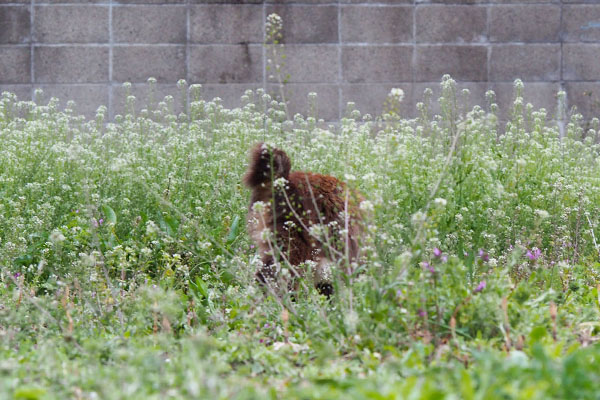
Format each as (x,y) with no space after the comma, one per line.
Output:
(109,214)
(144,217)
(466,386)
(234,230)
(161,221)
(537,333)
(172,225)
(24,260)
(200,287)
(29,393)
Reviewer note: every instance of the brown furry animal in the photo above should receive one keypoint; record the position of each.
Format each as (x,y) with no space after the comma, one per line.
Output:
(304,212)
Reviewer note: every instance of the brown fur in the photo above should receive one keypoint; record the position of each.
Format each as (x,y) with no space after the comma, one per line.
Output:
(306,200)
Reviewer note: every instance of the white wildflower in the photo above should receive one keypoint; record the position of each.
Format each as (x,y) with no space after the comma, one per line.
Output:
(273,18)
(88,260)
(280,183)
(56,237)
(397,94)
(316,230)
(518,84)
(290,224)
(418,218)
(151,227)
(370,177)
(366,205)
(542,214)
(440,202)
(259,206)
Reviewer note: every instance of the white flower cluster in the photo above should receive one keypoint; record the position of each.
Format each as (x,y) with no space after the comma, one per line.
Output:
(397,94)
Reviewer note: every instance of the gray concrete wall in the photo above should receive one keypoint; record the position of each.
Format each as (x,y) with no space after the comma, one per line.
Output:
(345,50)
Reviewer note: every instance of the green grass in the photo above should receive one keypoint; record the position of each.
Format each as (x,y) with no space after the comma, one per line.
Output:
(126,270)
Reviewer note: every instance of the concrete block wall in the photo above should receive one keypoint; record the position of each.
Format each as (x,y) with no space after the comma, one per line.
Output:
(345,50)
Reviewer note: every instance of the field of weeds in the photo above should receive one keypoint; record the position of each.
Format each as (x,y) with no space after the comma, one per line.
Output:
(126,270)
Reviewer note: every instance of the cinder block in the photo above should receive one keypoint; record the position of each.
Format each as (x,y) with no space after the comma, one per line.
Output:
(151,1)
(14,24)
(307,24)
(327,102)
(70,24)
(394,2)
(529,62)
(23,92)
(226,1)
(149,24)
(87,98)
(586,97)
(138,63)
(226,64)
(230,94)
(376,63)
(466,63)
(226,23)
(63,1)
(66,64)
(450,1)
(581,23)
(360,24)
(539,94)
(475,97)
(524,1)
(147,97)
(580,62)
(525,23)
(291,1)
(440,24)
(15,65)
(370,98)
(580,1)
(309,63)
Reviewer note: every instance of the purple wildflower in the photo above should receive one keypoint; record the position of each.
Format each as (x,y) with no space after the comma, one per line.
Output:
(437,252)
(483,255)
(444,258)
(480,287)
(101,221)
(16,275)
(428,267)
(422,313)
(533,255)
